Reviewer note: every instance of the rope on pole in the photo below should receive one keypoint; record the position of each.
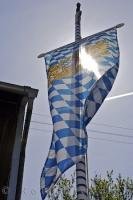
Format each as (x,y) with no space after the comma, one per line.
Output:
(81,170)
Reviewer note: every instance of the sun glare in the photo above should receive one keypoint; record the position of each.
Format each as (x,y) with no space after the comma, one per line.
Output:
(88,63)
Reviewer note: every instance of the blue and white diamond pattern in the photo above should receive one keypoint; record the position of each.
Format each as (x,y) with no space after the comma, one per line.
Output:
(73,103)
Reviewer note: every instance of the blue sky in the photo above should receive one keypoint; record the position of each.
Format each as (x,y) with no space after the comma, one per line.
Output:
(31,27)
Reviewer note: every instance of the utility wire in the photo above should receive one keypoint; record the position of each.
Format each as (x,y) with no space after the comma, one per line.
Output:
(110,133)
(99,124)
(41,130)
(110,140)
(40,114)
(91,130)
(37,122)
(113,126)
(93,138)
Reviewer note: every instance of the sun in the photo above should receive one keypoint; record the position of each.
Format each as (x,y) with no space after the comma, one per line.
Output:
(88,63)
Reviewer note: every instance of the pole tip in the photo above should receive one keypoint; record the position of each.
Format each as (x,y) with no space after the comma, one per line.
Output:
(40,55)
(120,25)
(78,7)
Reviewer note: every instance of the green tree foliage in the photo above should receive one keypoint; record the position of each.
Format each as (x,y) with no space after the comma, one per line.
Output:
(109,189)
(100,188)
(63,190)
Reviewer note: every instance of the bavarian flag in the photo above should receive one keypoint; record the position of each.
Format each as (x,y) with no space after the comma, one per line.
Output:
(80,76)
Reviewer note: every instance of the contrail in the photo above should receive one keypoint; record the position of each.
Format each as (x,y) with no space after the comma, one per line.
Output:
(119,96)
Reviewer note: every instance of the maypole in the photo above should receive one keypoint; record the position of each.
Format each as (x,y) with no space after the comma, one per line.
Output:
(81,166)
(67,88)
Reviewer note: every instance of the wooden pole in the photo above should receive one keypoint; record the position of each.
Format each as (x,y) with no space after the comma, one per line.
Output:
(81,170)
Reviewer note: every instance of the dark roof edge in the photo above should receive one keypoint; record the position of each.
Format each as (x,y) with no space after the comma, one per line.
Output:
(17,89)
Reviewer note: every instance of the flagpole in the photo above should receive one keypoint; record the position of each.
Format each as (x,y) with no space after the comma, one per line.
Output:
(81,166)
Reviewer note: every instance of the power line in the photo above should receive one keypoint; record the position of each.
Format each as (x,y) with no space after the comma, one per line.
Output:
(98,124)
(110,140)
(93,138)
(41,130)
(92,130)
(113,126)
(37,122)
(95,131)
(40,114)
(110,133)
